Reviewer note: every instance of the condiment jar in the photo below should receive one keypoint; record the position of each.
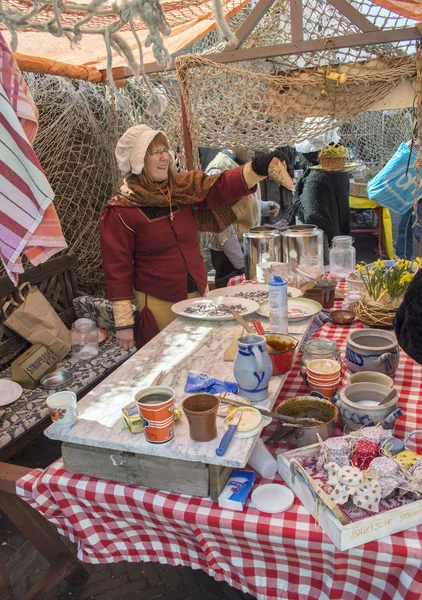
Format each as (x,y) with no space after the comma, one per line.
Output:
(342,257)
(84,338)
(317,349)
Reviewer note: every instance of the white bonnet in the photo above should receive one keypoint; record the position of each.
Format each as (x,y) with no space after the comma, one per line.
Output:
(317,143)
(132,147)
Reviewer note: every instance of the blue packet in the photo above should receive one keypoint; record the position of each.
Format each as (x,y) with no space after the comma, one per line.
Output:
(201,382)
(237,490)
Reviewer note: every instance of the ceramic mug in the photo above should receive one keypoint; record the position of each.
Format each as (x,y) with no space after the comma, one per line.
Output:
(156,406)
(62,407)
(372,350)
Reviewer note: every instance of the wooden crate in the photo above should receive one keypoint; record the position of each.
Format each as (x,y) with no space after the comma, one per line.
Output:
(179,476)
(353,534)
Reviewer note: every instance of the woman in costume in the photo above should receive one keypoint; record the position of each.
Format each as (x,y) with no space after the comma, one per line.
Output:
(148,231)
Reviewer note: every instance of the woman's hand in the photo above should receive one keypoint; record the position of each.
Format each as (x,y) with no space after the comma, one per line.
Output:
(125,338)
(260,164)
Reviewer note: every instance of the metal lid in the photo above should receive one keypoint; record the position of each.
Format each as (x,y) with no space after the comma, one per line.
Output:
(302,233)
(262,232)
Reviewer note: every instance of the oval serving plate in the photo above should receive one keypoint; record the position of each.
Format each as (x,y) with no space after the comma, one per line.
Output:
(232,291)
(249,307)
(298,309)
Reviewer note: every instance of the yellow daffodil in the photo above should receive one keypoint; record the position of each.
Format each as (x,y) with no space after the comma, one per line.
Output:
(400,263)
(371,272)
(417,262)
(360,267)
(406,278)
(379,263)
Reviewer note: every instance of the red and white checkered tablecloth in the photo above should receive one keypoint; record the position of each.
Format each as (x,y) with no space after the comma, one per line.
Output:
(271,557)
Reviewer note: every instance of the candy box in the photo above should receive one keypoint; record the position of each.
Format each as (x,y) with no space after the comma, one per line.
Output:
(349,526)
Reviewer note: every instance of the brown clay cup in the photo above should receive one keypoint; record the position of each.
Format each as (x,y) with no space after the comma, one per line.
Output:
(201,413)
(316,294)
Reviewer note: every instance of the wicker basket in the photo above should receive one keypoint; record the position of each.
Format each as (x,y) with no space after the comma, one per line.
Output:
(332,162)
(358,189)
(373,313)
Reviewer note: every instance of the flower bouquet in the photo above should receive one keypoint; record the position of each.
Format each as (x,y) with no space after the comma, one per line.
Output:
(385,283)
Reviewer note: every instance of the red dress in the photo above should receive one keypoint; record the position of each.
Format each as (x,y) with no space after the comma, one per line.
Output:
(145,250)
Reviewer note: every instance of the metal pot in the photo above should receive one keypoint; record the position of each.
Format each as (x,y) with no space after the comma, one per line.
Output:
(301,240)
(307,408)
(261,244)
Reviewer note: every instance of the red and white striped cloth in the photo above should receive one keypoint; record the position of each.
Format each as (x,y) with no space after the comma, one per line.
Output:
(28,219)
(271,557)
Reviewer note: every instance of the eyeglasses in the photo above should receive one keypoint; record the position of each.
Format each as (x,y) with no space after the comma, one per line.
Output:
(164,151)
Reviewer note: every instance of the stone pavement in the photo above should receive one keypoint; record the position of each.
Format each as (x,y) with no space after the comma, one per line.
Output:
(120,581)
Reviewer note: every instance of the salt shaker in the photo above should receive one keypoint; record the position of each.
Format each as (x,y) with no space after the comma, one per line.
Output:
(84,338)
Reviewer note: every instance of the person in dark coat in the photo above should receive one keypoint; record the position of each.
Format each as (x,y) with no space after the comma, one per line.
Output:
(322,199)
(408,320)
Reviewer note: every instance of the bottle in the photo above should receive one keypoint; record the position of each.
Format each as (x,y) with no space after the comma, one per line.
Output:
(278,305)
(84,338)
(342,257)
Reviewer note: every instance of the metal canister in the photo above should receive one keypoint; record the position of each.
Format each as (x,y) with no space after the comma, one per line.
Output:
(302,241)
(261,244)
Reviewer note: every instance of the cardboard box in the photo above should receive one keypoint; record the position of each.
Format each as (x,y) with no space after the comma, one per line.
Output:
(355,533)
(33,364)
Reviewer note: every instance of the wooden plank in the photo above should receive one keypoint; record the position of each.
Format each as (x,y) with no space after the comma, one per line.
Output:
(218,479)
(35,527)
(56,572)
(301,47)
(354,16)
(252,20)
(179,476)
(296,20)
(9,474)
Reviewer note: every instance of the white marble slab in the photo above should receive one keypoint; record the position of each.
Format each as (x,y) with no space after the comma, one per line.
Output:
(186,345)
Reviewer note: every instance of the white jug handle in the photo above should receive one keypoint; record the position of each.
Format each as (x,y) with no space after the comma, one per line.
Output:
(258,357)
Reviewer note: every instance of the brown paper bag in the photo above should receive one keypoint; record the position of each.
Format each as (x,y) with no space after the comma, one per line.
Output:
(36,321)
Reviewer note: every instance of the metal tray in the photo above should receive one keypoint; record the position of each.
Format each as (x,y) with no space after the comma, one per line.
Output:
(56,380)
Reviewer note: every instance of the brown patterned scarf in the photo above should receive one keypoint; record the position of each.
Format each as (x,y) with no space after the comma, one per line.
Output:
(188,188)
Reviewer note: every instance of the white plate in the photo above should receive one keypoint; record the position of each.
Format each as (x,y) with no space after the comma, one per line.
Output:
(272,498)
(299,309)
(180,307)
(249,287)
(256,430)
(9,391)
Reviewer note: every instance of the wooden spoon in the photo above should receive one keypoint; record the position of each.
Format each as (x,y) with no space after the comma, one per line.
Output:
(231,351)
(246,326)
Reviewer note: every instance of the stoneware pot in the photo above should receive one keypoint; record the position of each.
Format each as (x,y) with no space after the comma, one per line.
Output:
(252,367)
(360,405)
(372,350)
(371,377)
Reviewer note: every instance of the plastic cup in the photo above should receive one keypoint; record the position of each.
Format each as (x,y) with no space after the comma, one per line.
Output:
(262,460)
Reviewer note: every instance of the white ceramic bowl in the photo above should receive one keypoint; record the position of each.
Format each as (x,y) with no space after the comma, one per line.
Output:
(358,408)
(371,377)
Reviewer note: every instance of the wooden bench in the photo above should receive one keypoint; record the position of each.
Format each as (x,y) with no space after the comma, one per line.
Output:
(28,416)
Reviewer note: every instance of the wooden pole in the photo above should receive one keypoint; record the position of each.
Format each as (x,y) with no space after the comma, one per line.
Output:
(186,136)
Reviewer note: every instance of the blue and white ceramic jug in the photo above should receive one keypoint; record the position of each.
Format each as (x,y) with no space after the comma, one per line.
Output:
(253,368)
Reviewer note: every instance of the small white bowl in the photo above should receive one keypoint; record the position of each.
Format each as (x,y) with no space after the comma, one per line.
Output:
(371,377)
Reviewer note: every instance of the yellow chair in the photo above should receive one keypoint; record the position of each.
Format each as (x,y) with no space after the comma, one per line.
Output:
(385,227)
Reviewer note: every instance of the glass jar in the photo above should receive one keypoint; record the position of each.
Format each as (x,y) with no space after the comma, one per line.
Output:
(342,257)
(84,338)
(318,349)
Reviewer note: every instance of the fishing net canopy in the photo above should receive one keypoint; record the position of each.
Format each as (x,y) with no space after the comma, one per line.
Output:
(258,103)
